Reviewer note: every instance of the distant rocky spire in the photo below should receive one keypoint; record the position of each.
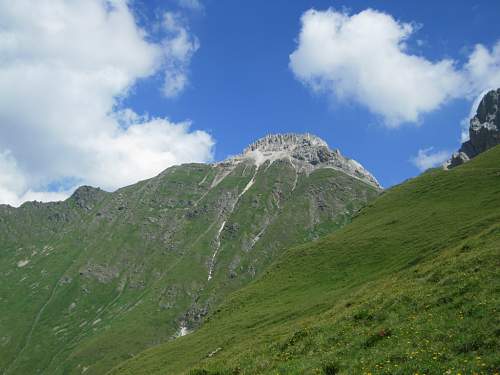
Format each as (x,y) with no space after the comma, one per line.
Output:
(484,130)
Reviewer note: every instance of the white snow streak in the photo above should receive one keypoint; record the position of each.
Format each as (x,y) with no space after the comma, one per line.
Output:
(217,247)
(217,238)
(183,331)
(248,186)
(296,174)
(257,237)
(22,263)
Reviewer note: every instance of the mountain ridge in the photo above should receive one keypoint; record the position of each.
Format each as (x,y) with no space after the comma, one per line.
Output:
(305,151)
(89,281)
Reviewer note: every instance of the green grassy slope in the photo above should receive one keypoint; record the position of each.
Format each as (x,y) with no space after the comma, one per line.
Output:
(410,286)
(87,283)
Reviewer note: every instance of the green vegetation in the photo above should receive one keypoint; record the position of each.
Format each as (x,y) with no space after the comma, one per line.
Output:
(410,286)
(88,283)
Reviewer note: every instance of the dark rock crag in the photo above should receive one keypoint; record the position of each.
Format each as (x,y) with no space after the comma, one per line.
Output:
(484,130)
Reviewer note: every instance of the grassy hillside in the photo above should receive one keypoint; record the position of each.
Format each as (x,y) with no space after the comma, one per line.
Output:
(410,286)
(88,283)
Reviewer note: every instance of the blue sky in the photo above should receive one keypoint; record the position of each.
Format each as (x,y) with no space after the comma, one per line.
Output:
(241,86)
(109,92)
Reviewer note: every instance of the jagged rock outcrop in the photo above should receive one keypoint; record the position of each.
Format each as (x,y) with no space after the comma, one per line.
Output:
(306,152)
(86,196)
(484,130)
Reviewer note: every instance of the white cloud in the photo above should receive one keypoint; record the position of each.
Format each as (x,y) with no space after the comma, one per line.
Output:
(64,68)
(364,57)
(427,158)
(483,72)
(13,181)
(483,68)
(191,4)
(179,49)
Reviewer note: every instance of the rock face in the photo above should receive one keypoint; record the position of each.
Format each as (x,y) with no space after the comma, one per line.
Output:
(86,196)
(306,152)
(484,130)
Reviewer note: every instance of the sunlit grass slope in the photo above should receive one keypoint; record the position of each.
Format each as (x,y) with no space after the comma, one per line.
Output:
(410,286)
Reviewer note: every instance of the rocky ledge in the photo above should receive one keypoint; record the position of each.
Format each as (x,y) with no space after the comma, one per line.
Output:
(484,130)
(87,196)
(306,152)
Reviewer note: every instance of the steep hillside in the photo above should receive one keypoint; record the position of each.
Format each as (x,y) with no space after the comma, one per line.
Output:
(89,282)
(410,286)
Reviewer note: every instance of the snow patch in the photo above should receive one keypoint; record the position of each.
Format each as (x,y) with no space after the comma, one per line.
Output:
(248,186)
(216,251)
(22,263)
(183,331)
(296,174)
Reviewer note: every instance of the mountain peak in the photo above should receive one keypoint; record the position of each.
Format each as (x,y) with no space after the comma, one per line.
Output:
(86,196)
(285,141)
(306,152)
(484,130)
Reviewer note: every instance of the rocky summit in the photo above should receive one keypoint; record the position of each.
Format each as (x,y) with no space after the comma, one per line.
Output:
(484,130)
(305,152)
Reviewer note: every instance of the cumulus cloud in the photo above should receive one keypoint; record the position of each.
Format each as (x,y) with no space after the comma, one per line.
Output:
(483,72)
(64,70)
(179,49)
(428,158)
(364,57)
(483,68)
